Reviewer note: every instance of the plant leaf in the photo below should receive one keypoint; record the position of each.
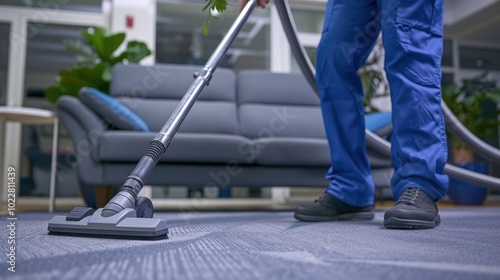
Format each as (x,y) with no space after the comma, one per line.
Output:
(103,44)
(205,28)
(209,4)
(111,44)
(84,53)
(95,60)
(107,75)
(95,38)
(220,5)
(134,53)
(53,93)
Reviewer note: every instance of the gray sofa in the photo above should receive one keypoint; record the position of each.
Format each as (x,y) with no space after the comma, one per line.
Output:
(253,129)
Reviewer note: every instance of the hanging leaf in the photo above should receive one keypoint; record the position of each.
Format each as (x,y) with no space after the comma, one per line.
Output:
(209,4)
(217,5)
(220,5)
(205,28)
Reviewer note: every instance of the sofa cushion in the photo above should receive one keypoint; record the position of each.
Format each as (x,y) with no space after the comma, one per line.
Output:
(153,93)
(278,105)
(127,146)
(292,151)
(264,87)
(169,81)
(111,110)
(264,120)
(204,116)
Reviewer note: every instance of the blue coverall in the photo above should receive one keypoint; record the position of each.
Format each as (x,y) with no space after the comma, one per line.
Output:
(412,36)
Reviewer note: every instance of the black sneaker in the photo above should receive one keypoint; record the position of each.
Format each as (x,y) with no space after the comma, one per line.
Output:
(413,210)
(329,208)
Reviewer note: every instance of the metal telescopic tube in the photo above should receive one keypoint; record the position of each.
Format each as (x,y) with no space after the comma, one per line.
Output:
(170,128)
(379,143)
(135,181)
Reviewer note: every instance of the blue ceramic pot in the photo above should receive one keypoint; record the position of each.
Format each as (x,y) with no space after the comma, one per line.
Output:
(463,193)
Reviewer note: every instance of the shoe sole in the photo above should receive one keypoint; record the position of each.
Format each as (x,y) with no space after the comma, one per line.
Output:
(343,217)
(397,223)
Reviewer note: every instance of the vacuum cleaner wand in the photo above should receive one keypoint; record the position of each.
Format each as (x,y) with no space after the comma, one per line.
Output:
(134,183)
(124,214)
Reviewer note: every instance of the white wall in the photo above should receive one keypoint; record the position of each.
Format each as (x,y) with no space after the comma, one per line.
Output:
(143,13)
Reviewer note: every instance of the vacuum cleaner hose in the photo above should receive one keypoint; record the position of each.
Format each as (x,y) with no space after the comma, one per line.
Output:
(483,149)
(372,140)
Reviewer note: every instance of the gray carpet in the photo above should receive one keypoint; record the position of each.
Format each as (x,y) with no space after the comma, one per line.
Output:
(265,245)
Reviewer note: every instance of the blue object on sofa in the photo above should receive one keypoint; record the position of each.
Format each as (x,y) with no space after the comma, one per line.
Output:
(112,111)
(378,120)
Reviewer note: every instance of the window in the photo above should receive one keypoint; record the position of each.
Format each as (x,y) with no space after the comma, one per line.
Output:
(308,21)
(309,25)
(311,53)
(179,39)
(74,5)
(479,58)
(46,55)
(4,60)
(447,79)
(447,53)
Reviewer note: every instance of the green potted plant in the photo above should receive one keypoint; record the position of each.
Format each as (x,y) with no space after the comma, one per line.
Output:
(95,58)
(467,102)
(474,103)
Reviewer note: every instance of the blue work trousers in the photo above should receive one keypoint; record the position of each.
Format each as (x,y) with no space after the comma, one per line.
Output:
(412,33)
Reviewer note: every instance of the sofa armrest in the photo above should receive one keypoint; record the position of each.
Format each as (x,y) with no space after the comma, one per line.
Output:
(86,130)
(89,123)
(86,117)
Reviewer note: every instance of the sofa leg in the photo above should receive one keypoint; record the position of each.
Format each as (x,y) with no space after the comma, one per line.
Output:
(103,194)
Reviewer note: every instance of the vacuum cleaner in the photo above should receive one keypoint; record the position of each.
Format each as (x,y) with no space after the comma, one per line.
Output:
(128,215)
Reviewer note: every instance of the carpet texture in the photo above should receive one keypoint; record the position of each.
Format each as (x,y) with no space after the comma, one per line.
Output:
(264,245)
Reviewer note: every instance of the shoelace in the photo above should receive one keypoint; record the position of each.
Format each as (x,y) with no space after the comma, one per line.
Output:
(409,195)
(319,198)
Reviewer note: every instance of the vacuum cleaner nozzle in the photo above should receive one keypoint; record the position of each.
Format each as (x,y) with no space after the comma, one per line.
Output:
(81,221)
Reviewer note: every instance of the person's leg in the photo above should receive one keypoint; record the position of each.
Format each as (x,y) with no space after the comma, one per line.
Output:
(349,34)
(412,35)
(350,31)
